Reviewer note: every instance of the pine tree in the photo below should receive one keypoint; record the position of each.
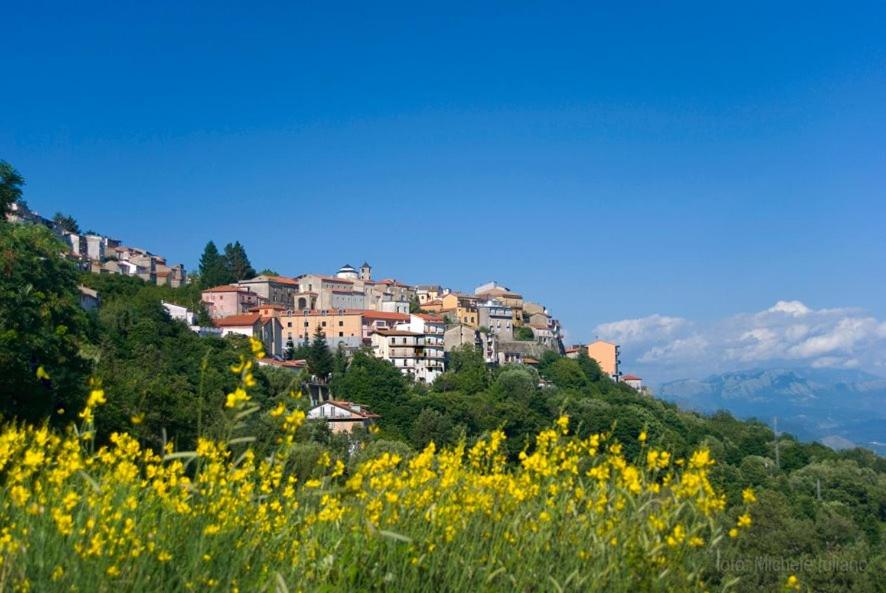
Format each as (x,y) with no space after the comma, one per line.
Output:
(237,262)
(213,270)
(320,359)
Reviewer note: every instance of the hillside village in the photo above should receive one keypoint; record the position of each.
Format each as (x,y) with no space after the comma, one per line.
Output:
(411,326)
(414,327)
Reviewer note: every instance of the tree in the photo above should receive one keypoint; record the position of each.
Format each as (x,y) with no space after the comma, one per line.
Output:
(524,334)
(237,262)
(10,188)
(268,272)
(414,305)
(42,328)
(320,360)
(213,268)
(66,222)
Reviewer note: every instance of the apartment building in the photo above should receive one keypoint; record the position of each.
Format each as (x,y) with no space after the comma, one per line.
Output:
(413,353)
(607,356)
(498,318)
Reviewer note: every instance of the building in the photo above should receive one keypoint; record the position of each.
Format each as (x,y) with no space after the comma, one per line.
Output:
(539,319)
(460,335)
(633,381)
(573,351)
(530,308)
(229,299)
(315,291)
(607,356)
(342,416)
(414,353)
(494,291)
(278,290)
(338,326)
(428,292)
(265,328)
(375,320)
(498,318)
(89,299)
(179,313)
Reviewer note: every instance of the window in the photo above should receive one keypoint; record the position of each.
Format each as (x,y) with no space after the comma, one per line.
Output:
(341,323)
(323,324)
(306,324)
(341,334)
(288,324)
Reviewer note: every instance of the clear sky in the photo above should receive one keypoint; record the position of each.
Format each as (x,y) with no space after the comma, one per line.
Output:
(695,161)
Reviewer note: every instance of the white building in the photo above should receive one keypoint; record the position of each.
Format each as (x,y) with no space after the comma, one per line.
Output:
(410,349)
(179,313)
(342,416)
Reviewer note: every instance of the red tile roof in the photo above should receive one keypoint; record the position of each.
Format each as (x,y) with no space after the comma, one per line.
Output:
(248,319)
(630,378)
(431,318)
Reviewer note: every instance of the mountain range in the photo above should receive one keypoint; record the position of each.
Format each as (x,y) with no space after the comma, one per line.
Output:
(837,407)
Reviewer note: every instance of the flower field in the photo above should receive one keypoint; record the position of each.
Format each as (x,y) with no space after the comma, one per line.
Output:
(572,514)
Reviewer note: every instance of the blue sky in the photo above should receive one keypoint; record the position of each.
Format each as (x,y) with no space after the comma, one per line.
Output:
(697,161)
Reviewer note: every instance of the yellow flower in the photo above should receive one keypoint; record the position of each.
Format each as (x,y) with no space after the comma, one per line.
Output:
(744,520)
(793,583)
(748,496)
(642,437)
(701,459)
(42,374)
(96,398)
(563,423)
(733,532)
(137,419)
(237,398)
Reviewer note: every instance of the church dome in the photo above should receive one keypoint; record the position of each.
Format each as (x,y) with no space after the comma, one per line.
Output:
(348,272)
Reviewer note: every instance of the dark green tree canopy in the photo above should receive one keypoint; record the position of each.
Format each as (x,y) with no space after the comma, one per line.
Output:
(42,326)
(10,188)
(320,358)
(237,262)
(66,222)
(213,267)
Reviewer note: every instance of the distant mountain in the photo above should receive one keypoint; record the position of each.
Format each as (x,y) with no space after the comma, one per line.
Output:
(840,408)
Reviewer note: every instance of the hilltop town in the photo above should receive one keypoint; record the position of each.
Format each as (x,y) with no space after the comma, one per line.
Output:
(414,327)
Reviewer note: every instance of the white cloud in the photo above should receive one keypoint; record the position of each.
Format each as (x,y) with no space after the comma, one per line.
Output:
(789,332)
(629,331)
(795,308)
(677,350)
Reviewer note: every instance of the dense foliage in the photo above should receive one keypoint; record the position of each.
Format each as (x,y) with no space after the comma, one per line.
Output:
(462,519)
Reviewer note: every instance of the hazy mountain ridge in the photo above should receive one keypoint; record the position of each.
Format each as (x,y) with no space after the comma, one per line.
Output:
(836,407)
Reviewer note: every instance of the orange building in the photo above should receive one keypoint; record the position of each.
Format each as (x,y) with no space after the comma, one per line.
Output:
(606,355)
